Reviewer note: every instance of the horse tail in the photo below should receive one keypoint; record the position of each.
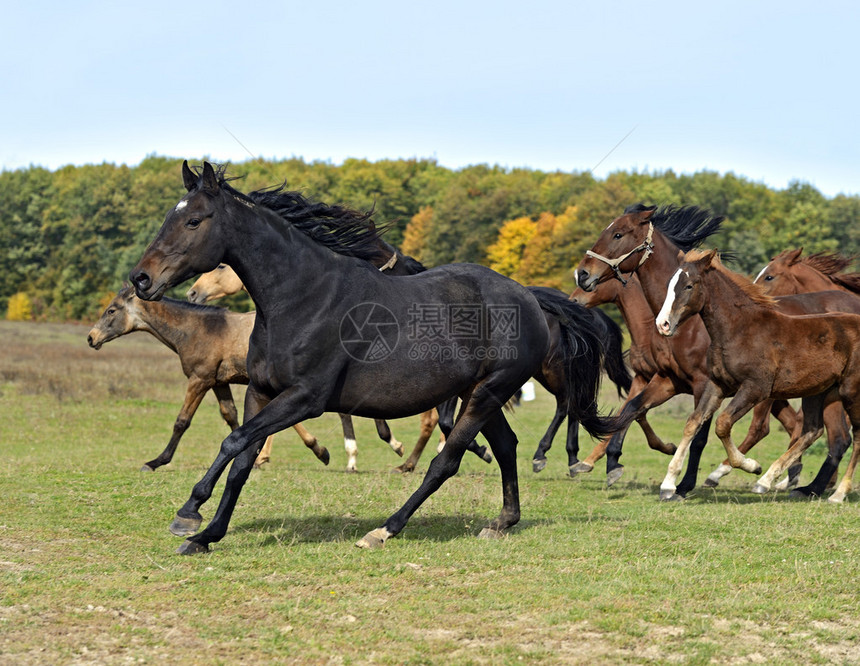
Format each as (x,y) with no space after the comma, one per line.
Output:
(582,351)
(613,360)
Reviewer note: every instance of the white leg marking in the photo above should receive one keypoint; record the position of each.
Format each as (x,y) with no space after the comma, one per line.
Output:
(351,454)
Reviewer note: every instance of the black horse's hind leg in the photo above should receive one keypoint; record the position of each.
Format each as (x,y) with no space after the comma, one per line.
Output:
(386,436)
(838,441)
(480,410)
(446,424)
(688,482)
(539,459)
(571,445)
(504,444)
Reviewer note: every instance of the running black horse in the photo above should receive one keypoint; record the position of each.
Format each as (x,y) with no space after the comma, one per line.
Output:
(334,334)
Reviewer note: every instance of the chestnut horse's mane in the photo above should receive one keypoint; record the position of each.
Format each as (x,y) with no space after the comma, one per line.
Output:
(755,291)
(832,265)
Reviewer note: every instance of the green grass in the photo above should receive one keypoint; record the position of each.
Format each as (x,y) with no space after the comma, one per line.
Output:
(88,572)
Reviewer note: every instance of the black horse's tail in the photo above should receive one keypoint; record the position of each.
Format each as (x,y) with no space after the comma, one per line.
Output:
(583,353)
(613,359)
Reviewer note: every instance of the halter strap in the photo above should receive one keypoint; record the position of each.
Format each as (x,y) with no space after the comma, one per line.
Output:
(389,264)
(646,247)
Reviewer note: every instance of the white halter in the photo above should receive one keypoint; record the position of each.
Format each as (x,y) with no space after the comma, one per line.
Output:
(647,245)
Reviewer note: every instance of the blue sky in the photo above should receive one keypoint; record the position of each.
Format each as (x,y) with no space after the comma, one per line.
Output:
(768,90)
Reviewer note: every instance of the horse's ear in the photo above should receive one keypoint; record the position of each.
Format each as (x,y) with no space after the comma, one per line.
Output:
(794,256)
(681,256)
(708,259)
(188,177)
(209,180)
(645,215)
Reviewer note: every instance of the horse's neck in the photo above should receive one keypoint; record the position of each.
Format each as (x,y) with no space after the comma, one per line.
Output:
(273,259)
(655,273)
(725,303)
(636,312)
(165,321)
(808,279)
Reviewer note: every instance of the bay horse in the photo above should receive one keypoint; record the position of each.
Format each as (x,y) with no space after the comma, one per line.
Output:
(758,352)
(334,334)
(645,240)
(212,344)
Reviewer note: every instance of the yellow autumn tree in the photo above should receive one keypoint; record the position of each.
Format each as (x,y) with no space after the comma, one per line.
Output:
(415,234)
(506,253)
(20,307)
(538,266)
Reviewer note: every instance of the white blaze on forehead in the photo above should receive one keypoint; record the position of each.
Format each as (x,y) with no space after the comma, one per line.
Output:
(610,224)
(761,273)
(663,316)
(182,204)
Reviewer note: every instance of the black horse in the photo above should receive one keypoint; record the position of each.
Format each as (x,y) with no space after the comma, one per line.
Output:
(334,334)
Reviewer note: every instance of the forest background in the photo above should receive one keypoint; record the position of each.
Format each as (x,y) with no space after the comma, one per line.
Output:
(69,237)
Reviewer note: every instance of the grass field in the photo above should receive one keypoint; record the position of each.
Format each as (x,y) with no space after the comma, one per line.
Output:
(88,573)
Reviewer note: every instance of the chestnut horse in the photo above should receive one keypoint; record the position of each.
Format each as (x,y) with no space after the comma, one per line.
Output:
(212,344)
(334,334)
(758,352)
(791,273)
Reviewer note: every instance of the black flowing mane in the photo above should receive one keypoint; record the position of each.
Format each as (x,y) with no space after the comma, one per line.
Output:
(339,228)
(686,226)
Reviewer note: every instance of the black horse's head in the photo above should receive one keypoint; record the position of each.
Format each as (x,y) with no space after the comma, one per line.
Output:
(190,241)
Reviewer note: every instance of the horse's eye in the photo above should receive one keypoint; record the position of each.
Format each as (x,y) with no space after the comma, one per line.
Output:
(617,236)
(221,267)
(111,311)
(768,278)
(193,223)
(689,286)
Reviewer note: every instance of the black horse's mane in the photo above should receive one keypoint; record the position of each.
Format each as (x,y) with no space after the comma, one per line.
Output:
(339,228)
(686,226)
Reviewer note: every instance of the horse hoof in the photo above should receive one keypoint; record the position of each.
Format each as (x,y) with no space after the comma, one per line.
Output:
(190,547)
(835,499)
(613,476)
(185,526)
(538,465)
(710,483)
(351,470)
(580,468)
(399,450)
(485,454)
(258,464)
(802,493)
(403,469)
(374,539)
(147,468)
(669,496)
(324,456)
(759,489)
(490,533)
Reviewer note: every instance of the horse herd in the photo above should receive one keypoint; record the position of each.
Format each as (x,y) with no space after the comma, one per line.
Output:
(346,323)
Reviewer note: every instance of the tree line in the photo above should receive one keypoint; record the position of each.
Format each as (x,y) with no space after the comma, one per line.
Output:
(69,237)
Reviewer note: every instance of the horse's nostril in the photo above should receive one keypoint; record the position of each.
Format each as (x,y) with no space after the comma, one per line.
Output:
(90,340)
(141,280)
